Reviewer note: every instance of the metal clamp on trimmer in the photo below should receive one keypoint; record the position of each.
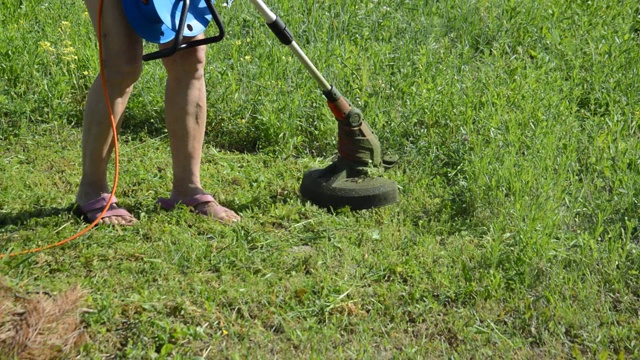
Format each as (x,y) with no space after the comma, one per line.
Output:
(160,21)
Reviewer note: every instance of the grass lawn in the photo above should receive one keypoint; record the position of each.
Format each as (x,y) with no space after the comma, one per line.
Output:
(517,234)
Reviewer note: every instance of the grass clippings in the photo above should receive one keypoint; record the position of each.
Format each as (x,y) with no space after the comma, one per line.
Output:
(40,326)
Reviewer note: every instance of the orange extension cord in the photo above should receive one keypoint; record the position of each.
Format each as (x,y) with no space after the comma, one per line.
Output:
(115,149)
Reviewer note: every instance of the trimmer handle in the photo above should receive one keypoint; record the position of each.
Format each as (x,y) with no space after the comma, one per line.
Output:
(177,42)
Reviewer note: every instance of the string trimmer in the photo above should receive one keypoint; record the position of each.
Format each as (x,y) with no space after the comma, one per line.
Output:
(349,180)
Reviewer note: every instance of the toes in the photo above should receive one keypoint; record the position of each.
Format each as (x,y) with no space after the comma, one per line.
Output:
(229,217)
(218,212)
(118,220)
(126,220)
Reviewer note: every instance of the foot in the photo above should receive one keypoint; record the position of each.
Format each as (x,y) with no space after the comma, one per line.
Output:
(113,216)
(203,204)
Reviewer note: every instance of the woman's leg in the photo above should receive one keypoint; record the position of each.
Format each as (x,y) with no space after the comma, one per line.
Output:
(185,117)
(122,54)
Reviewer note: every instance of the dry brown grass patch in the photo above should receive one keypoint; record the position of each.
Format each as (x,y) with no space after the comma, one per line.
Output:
(40,326)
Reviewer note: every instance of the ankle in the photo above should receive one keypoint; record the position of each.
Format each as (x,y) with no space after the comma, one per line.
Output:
(184,192)
(87,192)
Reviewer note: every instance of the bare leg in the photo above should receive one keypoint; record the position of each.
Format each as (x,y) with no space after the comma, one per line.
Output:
(123,65)
(185,117)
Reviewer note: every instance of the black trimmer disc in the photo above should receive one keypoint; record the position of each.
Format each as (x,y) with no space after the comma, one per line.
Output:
(339,185)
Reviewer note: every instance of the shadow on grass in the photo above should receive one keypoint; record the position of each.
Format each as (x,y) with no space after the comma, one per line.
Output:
(22,217)
(140,126)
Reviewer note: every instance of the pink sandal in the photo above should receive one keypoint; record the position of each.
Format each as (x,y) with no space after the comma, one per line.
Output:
(193,202)
(90,210)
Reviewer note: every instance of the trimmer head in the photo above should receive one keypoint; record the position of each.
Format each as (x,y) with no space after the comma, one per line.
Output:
(350,180)
(343,184)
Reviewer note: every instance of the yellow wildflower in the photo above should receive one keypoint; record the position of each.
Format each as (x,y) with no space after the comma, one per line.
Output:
(64,27)
(46,46)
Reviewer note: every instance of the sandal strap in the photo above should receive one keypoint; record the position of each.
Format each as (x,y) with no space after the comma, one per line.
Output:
(199,199)
(217,212)
(97,204)
(168,204)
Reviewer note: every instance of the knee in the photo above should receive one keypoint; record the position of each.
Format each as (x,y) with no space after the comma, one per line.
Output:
(123,72)
(187,63)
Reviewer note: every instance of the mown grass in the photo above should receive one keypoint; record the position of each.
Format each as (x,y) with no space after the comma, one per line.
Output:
(516,237)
